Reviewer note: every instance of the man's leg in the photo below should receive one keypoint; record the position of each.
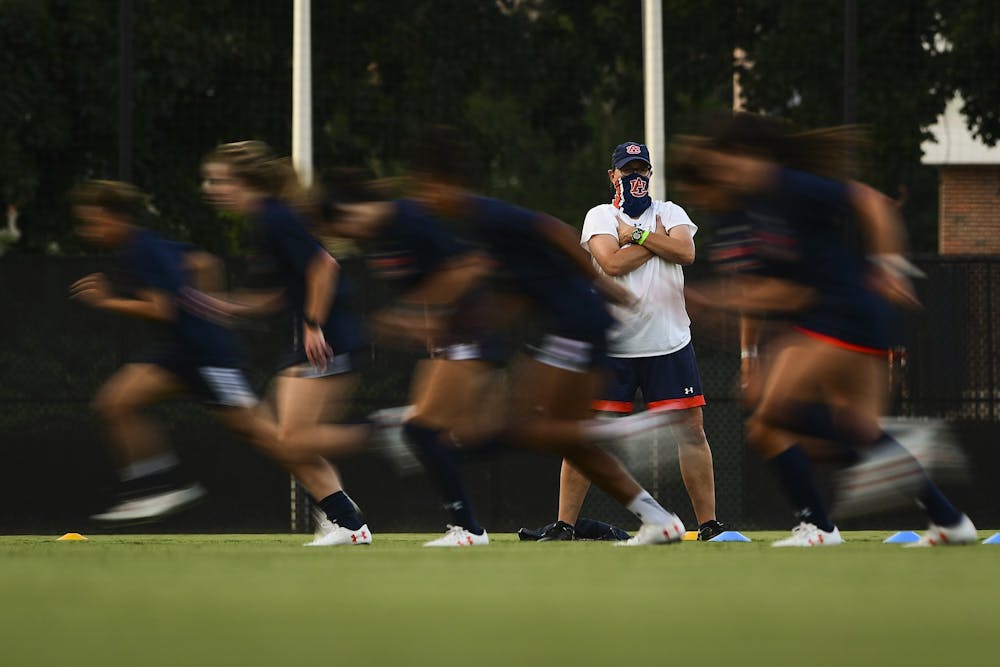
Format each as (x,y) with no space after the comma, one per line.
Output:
(695,458)
(573,488)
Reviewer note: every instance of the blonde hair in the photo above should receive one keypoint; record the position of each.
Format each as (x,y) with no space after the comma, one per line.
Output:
(256,164)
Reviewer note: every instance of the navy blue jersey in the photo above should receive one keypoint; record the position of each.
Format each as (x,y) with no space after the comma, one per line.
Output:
(529,265)
(802,232)
(411,245)
(159,264)
(291,247)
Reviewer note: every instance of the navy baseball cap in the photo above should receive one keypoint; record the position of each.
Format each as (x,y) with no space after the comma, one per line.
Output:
(630,150)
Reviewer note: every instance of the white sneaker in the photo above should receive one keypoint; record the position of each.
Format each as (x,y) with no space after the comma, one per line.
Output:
(656,533)
(459,537)
(340,536)
(808,535)
(153,506)
(939,536)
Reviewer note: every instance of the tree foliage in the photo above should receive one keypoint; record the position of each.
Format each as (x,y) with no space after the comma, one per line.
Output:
(543,88)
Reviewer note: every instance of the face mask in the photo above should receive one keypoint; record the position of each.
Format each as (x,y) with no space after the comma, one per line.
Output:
(632,195)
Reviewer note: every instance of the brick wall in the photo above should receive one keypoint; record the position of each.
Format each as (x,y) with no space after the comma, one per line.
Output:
(970,210)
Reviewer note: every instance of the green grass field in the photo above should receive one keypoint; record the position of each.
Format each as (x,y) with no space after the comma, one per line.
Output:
(265,600)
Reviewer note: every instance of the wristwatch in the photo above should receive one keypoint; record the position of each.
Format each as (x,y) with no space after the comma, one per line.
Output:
(637,236)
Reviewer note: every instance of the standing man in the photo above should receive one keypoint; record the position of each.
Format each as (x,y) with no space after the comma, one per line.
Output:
(643,244)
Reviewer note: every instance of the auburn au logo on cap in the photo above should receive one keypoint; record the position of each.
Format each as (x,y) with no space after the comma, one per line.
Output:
(633,149)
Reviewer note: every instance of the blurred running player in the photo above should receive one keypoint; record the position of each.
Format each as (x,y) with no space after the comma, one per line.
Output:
(787,238)
(539,265)
(318,375)
(201,357)
(440,307)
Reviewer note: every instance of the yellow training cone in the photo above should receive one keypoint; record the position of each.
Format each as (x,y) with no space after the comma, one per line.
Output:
(72,537)
(690,536)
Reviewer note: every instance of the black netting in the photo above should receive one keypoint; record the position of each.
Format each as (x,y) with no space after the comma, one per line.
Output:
(55,354)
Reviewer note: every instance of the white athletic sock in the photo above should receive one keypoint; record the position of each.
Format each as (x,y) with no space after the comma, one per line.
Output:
(150,466)
(648,510)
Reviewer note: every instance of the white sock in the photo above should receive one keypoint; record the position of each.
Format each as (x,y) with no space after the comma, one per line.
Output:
(648,510)
(150,466)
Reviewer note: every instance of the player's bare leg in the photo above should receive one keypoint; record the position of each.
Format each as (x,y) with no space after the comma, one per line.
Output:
(552,412)
(150,482)
(118,403)
(314,432)
(299,404)
(445,393)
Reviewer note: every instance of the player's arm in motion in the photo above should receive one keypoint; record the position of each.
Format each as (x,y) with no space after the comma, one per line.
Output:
(151,304)
(885,241)
(417,312)
(321,276)
(566,239)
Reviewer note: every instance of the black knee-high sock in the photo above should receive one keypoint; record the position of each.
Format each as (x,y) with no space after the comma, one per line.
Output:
(339,508)
(797,481)
(440,463)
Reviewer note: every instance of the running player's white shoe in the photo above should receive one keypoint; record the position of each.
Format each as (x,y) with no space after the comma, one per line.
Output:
(340,536)
(459,537)
(656,533)
(323,524)
(808,535)
(154,505)
(964,532)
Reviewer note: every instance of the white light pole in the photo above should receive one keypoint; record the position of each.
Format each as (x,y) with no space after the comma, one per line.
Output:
(652,68)
(302,139)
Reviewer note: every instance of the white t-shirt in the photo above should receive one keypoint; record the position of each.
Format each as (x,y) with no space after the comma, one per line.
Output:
(660,325)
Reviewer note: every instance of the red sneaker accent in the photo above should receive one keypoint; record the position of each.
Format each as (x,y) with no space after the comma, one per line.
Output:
(354,538)
(364,535)
(469,539)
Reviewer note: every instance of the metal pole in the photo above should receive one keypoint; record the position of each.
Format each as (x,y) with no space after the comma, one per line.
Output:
(125,89)
(302,140)
(655,125)
(850,61)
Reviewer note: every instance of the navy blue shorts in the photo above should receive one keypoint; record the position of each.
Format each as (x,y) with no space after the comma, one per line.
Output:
(493,349)
(218,386)
(579,353)
(668,382)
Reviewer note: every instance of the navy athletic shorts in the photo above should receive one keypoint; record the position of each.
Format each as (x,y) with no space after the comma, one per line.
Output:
(668,382)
